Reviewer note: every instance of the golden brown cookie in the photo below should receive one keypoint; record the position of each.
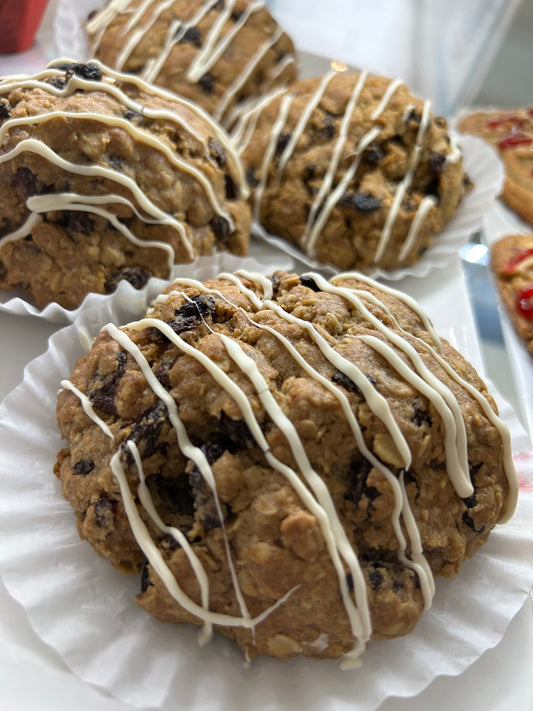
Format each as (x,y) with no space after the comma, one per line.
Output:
(287,459)
(512,266)
(103,178)
(218,54)
(352,168)
(510,132)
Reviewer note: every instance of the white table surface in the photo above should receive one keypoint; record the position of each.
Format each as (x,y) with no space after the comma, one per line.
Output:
(33,676)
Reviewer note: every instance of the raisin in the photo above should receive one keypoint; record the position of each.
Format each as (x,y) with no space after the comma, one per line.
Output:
(146,432)
(414,116)
(231,187)
(204,502)
(221,228)
(309,282)
(250,177)
(206,83)
(191,313)
(79,223)
(283,140)
(193,36)
(374,153)
(275,281)
(236,430)
(432,188)
(104,397)
(163,372)
(437,162)
(56,82)
(136,276)
(216,151)
(116,162)
(236,16)
(470,501)
(132,115)
(420,415)
(469,521)
(104,512)
(4,109)
(146,581)
(328,127)
(84,466)
(359,471)
(90,71)
(349,582)
(347,383)
(365,203)
(25,182)
(376,578)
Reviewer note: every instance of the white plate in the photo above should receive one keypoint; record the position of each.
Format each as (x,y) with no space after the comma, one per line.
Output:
(79,605)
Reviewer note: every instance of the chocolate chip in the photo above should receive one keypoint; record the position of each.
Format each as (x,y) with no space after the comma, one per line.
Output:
(206,83)
(221,228)
(250,177)
(309,282)
(146,432)
(193,36)
(365,203)
(103,397)
(231,188)
(79,223)
(216,151)
(25,182)
(136,276)
(83,466)
(191,313)
(283,140)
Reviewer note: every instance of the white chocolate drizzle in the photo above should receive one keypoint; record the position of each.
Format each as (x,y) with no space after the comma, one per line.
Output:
(389,343)
(140,204)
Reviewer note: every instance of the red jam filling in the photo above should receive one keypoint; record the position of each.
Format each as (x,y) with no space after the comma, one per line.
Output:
(511,265)
(524,301)
(495,122)
(515,138)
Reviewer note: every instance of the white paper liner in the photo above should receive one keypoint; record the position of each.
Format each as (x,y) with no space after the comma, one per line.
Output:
(260,255)
(81,606)
(483,167)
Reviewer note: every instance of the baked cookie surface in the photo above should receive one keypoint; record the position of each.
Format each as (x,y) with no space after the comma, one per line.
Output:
(289,460)
(103,177)
(510,133)
(512,266)
(218,54)
(352,168)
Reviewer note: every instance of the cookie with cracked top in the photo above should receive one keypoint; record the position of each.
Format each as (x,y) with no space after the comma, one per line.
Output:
(274,457)
(105,178)
(353,169)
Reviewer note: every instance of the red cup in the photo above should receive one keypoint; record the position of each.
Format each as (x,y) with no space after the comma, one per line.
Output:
(19,22)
